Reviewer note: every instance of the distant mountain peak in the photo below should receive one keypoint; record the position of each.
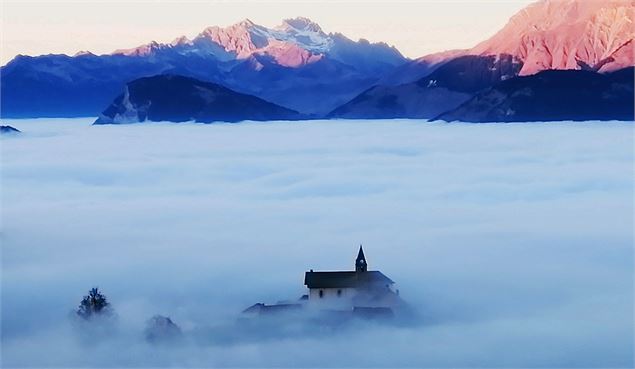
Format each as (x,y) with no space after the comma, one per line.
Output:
(83,53)
(143,50)
(181,40)
(246,23)
(297,41)
(301,24)
(242,38)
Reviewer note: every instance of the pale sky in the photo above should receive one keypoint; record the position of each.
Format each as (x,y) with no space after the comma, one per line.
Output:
(416,28)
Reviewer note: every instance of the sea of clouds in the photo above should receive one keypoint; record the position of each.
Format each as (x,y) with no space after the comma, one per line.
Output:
(513,241)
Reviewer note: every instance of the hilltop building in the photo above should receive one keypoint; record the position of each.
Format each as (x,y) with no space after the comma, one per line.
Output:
(360,292)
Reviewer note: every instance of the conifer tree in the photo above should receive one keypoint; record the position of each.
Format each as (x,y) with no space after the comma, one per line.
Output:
(93,304)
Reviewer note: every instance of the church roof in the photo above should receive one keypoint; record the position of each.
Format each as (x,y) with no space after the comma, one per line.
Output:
(345,279)
(262,309)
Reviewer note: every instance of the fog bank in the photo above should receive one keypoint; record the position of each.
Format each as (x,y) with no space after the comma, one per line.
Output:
(513,241)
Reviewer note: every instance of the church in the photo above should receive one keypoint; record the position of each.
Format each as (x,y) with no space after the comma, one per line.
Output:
(359,292)
(343,290)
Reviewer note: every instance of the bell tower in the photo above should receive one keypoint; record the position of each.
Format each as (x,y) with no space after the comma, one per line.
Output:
(360,262)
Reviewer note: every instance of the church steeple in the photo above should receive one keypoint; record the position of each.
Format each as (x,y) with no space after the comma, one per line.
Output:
(360,262)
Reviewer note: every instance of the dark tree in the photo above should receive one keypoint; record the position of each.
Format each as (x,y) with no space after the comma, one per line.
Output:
(93,304)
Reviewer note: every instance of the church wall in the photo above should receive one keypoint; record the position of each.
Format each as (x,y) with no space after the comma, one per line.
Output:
(330,297)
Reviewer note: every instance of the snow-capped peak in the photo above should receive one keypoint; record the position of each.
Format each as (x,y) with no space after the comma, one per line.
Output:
(300,24)
(304,33)
(297,41)
(182,40)
(245,37)
(143,50)
(83,53)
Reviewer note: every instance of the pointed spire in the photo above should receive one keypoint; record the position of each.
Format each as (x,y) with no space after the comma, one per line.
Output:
(360,263)
(360,254)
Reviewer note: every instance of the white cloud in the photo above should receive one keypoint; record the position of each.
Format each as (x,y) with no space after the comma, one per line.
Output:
(515,241)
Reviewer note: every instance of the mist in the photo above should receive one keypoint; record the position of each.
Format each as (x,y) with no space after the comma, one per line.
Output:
(513,242)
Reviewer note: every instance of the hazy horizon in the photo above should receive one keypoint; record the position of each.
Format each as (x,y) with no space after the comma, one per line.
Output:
(415,28)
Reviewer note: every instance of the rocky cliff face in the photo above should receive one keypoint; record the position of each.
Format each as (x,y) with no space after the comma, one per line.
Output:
(567,34)
(549,34)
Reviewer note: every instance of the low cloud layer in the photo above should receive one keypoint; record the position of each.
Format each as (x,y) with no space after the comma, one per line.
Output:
(514,242)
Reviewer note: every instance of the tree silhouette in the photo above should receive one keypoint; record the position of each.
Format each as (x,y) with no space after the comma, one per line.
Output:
(93,304)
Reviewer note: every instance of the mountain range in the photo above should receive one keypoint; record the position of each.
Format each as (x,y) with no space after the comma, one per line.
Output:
(588,35)
(298,67)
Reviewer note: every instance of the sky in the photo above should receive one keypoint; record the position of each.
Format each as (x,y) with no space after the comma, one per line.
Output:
(416,28)
(513,242)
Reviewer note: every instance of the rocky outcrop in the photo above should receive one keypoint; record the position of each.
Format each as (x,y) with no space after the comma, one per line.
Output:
(180,99)
(161,329)
(8,130)
(553,95)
